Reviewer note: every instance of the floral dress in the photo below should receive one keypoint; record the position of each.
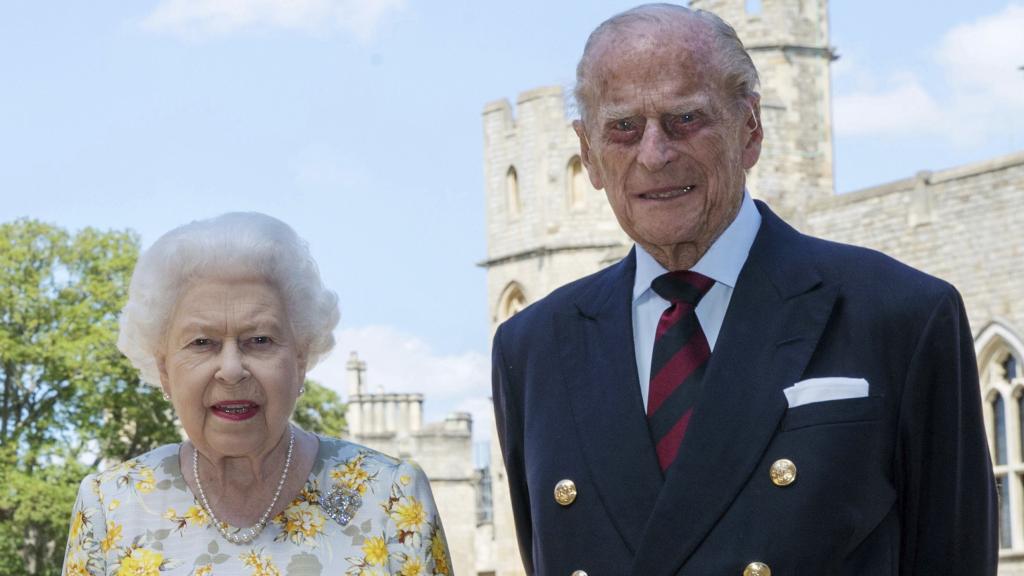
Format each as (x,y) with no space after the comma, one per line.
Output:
(361,513)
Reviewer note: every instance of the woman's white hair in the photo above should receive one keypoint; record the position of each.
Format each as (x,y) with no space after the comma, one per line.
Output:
(240,245)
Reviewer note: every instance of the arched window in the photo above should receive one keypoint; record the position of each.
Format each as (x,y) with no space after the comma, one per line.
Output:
(999,429)
(999,350)
(576,179)
(511,301)
(512,201)
(1010,367)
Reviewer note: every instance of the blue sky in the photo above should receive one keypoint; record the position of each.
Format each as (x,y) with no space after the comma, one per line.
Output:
(358,122)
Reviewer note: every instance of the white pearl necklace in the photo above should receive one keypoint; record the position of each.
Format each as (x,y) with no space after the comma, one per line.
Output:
(250,533)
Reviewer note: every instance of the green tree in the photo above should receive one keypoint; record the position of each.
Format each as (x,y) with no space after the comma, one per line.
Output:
(320,410)
(69,398)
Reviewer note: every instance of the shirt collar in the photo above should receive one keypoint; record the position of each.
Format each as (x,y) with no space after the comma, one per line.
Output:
(723,260)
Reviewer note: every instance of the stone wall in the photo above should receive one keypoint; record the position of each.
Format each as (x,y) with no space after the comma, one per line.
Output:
(963,225)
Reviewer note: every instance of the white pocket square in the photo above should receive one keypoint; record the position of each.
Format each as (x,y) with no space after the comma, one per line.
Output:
(823,389)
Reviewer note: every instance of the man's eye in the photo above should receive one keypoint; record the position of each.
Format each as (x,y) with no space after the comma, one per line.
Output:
(624,131)
(260,340)
(201,342)
(679,124)
(625,125)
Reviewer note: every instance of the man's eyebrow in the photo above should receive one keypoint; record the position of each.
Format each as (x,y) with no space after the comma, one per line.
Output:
(611,112)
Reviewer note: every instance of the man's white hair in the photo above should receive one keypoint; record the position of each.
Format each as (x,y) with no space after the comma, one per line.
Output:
(729,56)
(237,245)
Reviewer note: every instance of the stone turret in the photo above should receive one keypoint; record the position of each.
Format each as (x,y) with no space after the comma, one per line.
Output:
(789,43)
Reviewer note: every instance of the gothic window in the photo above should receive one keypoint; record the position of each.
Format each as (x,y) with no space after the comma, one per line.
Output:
(513,203)
(999,429)
(998,350)
(1010,367)
(512,300)
(576,179)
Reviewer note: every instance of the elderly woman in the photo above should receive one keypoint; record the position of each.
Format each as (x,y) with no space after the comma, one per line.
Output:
(227,315)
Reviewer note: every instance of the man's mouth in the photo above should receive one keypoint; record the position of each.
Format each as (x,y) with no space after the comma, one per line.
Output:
(667,193)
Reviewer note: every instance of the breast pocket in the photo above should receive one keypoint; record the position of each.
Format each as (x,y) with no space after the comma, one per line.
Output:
(845,411)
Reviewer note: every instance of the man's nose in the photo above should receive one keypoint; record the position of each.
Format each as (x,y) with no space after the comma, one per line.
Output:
(232,364)
(656,149)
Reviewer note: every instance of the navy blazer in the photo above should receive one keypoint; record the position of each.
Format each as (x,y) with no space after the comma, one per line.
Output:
(896,483)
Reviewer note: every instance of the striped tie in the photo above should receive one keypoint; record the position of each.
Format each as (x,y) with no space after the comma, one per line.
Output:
(681,353)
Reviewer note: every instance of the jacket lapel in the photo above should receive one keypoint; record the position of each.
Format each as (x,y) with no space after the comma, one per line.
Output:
(776,315)
(599,369)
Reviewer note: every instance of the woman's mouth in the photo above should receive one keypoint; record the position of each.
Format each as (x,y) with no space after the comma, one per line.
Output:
(235,410)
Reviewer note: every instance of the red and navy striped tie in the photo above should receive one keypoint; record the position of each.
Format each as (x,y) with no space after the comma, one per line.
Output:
(681,353)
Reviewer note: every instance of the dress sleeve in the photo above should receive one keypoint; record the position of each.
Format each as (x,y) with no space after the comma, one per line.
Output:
(415,536)
(87,535)
(946,490)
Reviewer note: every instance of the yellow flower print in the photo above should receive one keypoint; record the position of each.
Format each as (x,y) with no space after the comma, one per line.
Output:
(412,567)
(79,521)
(75,567)
(405,479)
(146,482)
(409,516)
(262,566)
(204,570)
(170,514)
(352,475)
(113,504)
(440,553)
(196,516)
(141,562)
(113,535)
(302,521)
(376,551)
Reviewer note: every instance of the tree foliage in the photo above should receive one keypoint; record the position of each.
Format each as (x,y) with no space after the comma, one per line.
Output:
(68,395)
(320,410)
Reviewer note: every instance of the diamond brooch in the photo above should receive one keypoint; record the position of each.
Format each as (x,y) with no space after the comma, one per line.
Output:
(341,504)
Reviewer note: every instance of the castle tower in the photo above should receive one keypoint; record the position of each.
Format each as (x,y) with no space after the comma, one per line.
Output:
(789,43)
(546,225)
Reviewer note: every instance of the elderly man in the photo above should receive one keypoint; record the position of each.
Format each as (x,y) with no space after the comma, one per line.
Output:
(733,397)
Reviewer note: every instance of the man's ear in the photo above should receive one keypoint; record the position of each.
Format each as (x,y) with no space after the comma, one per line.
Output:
(755,129)
(592,171)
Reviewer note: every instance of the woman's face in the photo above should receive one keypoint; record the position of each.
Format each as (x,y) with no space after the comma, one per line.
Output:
(231,366)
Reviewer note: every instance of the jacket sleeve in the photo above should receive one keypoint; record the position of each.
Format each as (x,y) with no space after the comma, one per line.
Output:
(944,474)
(508,417)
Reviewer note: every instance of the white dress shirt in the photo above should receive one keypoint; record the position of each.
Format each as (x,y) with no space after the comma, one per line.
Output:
(722,263)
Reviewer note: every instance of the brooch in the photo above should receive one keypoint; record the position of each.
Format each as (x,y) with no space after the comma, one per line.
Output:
(341,505)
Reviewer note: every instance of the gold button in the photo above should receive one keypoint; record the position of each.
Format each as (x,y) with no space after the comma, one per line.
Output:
(783,472)
(578,573)
(757,568)
(565,494)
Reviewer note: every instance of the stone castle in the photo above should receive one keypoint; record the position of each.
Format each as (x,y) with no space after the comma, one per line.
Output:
(547,226)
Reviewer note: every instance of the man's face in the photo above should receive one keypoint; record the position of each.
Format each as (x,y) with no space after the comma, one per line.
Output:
(667,142)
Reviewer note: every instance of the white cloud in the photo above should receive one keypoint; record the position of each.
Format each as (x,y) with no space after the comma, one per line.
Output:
(203,18)
(981,99)
(400,362)
(985,55)
(903,109)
